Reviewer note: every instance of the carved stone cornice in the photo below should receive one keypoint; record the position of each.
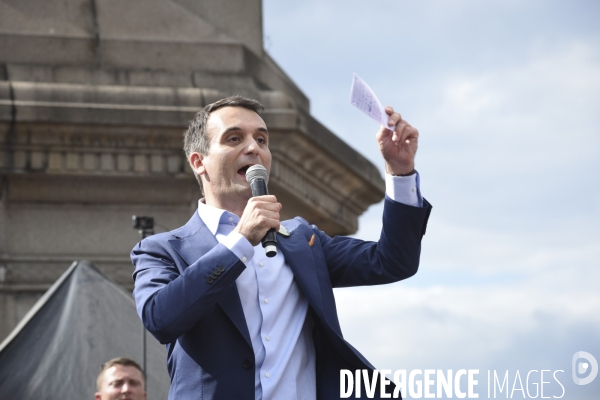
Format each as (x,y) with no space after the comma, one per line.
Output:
(334,196)
(106,132)
(87,149)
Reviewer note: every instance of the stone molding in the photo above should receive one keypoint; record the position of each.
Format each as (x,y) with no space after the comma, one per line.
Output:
(44,269)
(136,131)
(91,150)
(315,194)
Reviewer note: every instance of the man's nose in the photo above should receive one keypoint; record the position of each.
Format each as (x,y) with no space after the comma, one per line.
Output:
(252,146)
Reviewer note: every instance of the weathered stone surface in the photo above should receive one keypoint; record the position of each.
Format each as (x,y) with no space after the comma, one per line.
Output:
(241,20)
(94,98)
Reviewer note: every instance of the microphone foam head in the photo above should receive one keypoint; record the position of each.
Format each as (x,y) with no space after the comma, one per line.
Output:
(256,171)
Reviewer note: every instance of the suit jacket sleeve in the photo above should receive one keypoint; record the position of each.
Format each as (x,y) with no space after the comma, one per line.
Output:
(353,262)
(172,296)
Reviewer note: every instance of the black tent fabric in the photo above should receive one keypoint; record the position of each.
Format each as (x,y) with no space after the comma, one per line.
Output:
(83,320)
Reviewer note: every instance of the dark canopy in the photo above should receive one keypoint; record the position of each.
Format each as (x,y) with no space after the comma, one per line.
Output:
(83,320)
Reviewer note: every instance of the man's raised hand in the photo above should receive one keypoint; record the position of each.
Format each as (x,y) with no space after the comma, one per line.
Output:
(398,144)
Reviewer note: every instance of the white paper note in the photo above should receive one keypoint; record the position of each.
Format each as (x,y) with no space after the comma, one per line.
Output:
(363,98)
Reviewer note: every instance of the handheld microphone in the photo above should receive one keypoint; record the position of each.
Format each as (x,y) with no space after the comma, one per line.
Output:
(257,177)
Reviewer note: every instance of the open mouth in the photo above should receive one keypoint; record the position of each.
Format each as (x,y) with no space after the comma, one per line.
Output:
(242,171)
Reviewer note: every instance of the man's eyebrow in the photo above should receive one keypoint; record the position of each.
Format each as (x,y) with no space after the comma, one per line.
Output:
(231,129)
(237,128)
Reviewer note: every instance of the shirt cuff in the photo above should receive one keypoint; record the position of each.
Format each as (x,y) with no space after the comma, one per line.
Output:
(239,245)
(404,189)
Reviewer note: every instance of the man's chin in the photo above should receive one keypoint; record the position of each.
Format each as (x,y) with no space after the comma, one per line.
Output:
(242,189)
(241,184)
(236,192)
(241,180)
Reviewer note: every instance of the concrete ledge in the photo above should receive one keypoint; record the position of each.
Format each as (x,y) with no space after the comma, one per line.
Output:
(31,188)
(43,49)
(172,56)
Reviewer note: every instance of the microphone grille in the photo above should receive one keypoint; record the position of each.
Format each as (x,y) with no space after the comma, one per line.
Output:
(256,171)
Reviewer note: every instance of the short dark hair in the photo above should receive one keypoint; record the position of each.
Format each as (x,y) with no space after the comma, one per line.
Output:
(195,138)
(124,361)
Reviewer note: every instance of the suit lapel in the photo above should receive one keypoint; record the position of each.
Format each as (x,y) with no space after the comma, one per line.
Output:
(193,247)
(193,240)
(298,255)
(232,306)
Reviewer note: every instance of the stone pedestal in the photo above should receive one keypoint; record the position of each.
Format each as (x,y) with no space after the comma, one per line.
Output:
(94,98)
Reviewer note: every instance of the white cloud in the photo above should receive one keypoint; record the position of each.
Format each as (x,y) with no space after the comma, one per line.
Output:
(522,250)
(468,327)
(554,90)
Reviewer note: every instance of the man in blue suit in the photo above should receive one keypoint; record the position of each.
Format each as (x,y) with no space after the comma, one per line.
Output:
(240,325)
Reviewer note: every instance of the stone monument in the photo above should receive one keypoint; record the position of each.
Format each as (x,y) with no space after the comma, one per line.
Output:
(94,98)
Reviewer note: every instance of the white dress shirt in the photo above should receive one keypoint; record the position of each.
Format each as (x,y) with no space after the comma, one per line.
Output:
(274,307)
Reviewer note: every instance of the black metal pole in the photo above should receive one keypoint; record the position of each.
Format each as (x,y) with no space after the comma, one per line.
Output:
(144,233)
(145,227)
(144,357)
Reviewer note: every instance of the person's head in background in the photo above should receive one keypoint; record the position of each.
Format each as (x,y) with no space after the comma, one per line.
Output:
(120,379)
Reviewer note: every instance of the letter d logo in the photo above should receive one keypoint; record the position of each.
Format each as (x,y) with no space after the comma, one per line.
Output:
(580,368)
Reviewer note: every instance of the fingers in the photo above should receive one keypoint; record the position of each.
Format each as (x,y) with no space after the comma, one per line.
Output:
(260,215)
(404,133)
(393,119)
(267,201)
(400,130)
(265,210)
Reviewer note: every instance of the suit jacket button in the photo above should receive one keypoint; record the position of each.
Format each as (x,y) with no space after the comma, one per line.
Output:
(247,364)
(221,268)
(209,280)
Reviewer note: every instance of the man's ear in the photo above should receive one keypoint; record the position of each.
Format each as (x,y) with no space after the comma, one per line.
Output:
(196,161)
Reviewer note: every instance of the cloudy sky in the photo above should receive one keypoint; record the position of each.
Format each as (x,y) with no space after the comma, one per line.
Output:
(506,96)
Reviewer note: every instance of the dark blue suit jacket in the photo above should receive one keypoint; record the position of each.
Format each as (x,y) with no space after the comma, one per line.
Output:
(186,297)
